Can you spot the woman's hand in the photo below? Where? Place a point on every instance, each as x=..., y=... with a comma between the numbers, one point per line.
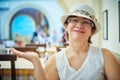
x=31, y=56
x=34, y=58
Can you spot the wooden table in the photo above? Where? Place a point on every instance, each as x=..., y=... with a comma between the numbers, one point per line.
x=12, y=58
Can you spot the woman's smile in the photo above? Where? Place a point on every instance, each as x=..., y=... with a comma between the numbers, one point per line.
x=78, y=31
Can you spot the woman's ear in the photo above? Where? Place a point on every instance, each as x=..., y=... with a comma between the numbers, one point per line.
x=93, y=31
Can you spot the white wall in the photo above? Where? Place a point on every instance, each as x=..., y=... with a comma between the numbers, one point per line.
x=113, y=25
x=96, y=5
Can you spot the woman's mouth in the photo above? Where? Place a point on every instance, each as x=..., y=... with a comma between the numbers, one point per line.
x=78, y=31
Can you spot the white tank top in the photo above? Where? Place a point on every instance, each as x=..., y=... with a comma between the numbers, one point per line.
x=91, y=69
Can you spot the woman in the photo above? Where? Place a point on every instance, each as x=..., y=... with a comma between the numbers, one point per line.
x=80, y=60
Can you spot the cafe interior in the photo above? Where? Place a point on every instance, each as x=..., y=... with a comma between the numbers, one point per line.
x=35, y=25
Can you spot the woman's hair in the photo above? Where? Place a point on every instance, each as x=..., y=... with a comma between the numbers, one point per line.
x=67, y=35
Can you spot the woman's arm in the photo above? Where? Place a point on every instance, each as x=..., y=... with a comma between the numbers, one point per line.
x=38, y=70
x=34, y=58
x=51, y=69
x=112, y=68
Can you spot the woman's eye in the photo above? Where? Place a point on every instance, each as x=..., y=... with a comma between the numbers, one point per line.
x=85, y=22
x=75, y=20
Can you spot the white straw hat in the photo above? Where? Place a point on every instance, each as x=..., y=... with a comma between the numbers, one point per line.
x=82, y=11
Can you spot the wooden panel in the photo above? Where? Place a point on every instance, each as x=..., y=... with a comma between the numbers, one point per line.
x=18, y=71
x=25, y=74
x=37, y=45
x=27, y=48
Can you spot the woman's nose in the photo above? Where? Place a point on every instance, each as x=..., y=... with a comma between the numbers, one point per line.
x=79, y=25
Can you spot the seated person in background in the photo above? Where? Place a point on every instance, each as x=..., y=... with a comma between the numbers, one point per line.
x=19, y=41
x=41, y=36
x=80, y=60
x=62, y=40
x=35, y=38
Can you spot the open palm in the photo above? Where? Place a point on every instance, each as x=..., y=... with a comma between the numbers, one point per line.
x=26, y=55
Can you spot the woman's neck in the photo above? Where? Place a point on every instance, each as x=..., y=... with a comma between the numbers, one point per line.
x=78, y=47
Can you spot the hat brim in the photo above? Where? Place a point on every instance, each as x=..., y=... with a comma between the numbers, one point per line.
x=64, y=18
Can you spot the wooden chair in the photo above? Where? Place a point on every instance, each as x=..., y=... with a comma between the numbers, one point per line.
x=27, y=48
x=58, y=48
x=37, y=45
x=41, y=48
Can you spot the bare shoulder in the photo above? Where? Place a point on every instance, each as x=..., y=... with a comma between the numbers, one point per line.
x=52, y=58
x=108, y=56
x=51, y=62
x=106, y=52
x=111, y=66
x=51, y=68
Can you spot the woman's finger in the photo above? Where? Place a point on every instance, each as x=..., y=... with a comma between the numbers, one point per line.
x=16, y=52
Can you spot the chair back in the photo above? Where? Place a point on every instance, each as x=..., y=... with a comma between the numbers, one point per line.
x=26, y=48
x=40, y=48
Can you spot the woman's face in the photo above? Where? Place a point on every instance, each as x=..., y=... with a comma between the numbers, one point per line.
x=79, y=28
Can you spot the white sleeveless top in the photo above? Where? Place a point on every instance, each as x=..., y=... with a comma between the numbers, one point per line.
x=91, y=69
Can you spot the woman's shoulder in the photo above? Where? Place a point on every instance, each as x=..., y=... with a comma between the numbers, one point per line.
x=111, y=65
x=52, y=58
x=109, y=57
x=106, y=52
x=60, y=53
x=51, y=62
x=51, y=67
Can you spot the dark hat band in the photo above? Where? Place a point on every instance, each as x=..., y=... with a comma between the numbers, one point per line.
x=84, y=13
